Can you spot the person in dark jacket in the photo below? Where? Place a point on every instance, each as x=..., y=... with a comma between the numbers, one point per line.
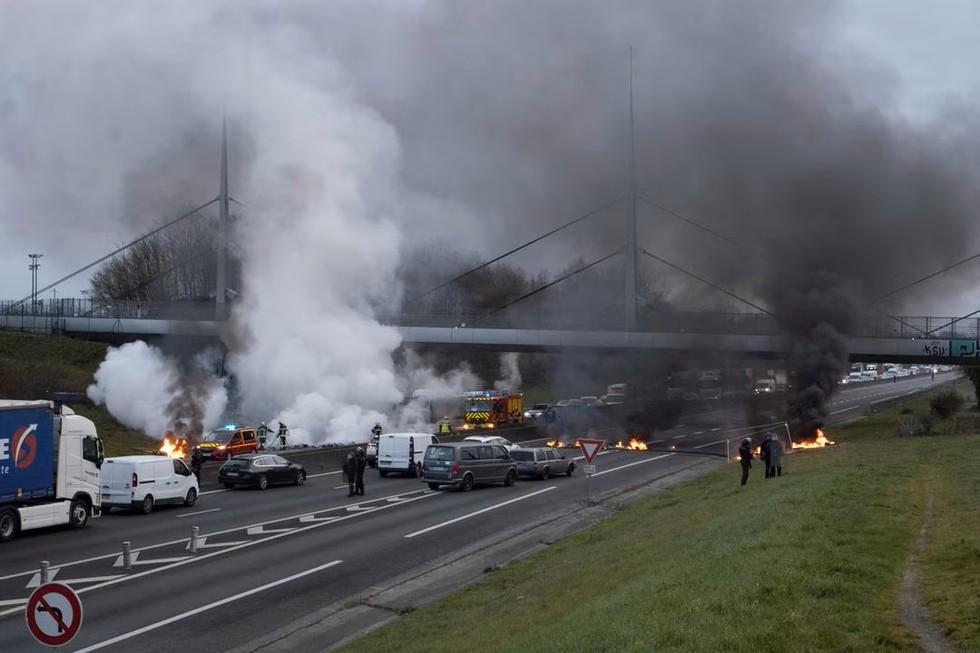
x=197, y=459
x=745, y=457
x=764, y=453
x=350, y=472
x=361, y=458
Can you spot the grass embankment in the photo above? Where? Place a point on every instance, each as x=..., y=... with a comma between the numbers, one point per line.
x=34, y=366
x=812, y=561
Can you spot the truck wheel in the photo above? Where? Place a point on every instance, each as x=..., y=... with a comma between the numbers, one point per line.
x=146, y=507
x=191, y=497
x=78, y=513
x=9, y=524
x=263, y=481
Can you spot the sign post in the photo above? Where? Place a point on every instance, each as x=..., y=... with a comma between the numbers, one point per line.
x=54, y=614
x=590, y=449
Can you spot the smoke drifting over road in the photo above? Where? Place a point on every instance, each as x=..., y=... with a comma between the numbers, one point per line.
x=366, y=128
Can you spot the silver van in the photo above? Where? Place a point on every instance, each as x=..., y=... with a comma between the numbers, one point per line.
x=465, y=464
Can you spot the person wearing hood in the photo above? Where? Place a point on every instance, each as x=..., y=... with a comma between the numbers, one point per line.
x=361, y=459
x=745, y=457
x=350, y=471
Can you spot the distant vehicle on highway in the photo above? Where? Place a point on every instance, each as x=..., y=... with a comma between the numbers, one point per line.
x=590, y=400
x=537, y=411
x=372, y=451
x=465, y=464
x=490, y=439
x=260, y=470
x=613, y=399
x=403, y=452
x=541, y=462
x=229, y=440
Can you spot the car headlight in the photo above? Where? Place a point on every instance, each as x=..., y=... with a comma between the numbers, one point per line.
x=222, y=447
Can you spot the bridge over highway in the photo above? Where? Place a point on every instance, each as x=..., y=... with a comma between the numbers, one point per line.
x=877, y=338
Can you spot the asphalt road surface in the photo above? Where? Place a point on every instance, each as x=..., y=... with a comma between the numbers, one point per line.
x=268, y=560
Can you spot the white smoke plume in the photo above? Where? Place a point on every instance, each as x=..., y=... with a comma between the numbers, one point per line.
x=424, y=387
x=136, y=382
x=510, y=372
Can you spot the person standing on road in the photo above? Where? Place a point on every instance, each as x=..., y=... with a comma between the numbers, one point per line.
x=197, y=459
x=376, y=431
x=283, y=432
x=776, y=451
x=263, y=434
x=445, y=426
x=350, y=472
x=361, y=458
x=745, y=457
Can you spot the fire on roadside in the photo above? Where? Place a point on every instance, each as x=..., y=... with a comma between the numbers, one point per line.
x=818, y=442
x=558, y=444
x=633, y=444
x=175, y=447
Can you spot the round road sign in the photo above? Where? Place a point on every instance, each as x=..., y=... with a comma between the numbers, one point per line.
x=54, y=614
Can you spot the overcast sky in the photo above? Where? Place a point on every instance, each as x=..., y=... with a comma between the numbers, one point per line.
x=921, y=54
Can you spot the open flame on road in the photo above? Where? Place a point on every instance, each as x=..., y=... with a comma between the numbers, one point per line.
x=817, y=443
x=175, y=448
x=558, y=444
x=634, y=444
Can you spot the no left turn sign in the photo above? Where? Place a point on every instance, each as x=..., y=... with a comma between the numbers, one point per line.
x=54, y=614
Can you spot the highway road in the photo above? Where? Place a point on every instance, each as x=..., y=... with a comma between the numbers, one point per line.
x=298, y=568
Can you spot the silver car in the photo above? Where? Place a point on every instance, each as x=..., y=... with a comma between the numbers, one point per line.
x=465, y=464
x=541, y=462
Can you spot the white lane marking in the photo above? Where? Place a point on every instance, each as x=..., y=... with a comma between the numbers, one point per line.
x=361, y=508
x=191, y=559
x=309, y=519
x=205, y=608
x=187, y=539
x=134, y=559
x=698, y=432
x=199, y=512
x=13, y=602
x=262, y=530
x=717, y=428
x=480, y=512
x=844, y=410
x=678, y=437
x=36, y=581
x=639, y=462
x=202, y=543
x=702, y=446
x=341, y=487
x=656, y=441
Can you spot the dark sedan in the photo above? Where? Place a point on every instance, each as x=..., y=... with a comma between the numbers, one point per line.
x=260, y=470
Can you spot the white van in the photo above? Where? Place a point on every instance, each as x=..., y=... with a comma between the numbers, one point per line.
x=403, y=452
x=141, y=482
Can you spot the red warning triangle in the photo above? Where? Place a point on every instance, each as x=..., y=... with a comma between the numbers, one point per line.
x=590, y=448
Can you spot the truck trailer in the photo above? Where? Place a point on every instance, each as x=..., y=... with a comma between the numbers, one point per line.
x=50, y=461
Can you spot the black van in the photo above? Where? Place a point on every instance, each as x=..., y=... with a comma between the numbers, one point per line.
x=464, y=464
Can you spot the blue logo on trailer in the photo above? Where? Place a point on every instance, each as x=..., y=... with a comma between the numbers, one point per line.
x=26, y=453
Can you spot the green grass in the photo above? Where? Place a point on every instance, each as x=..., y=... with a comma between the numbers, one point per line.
x=33, y=366
x=811, y=561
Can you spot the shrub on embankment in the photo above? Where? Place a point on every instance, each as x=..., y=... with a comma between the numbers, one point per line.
x=810, y=561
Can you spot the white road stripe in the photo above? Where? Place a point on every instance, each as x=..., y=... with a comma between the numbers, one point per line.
x=844, y=410
x=205, y=608
x=639, y=462
x=199, y=512
x=480, y=512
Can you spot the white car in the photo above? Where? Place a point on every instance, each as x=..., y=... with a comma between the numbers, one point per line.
x=491, y=439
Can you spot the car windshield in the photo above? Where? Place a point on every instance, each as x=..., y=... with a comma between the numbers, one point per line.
x=238, y=462
x=217, y=436
x=439, y=453
x=522, y=455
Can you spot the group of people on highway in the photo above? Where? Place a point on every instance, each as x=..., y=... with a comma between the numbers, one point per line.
x=771, y=451
x=353, y=467
x=263, y=432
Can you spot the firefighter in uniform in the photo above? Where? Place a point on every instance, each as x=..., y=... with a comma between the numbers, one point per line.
x=263, y=434
x=376, y=431
x=197, y=459
x=283, y=432
x=445, y=428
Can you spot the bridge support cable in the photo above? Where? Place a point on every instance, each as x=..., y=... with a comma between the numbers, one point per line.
x=116, y=251
x=697, y=225
x=458, y=277
x=558, y=280
x=708, y=283
x=930, y=332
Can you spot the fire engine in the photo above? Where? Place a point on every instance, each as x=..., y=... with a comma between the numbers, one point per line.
x=491, y=408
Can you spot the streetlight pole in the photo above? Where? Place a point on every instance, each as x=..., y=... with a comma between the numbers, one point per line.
x=33, y=268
